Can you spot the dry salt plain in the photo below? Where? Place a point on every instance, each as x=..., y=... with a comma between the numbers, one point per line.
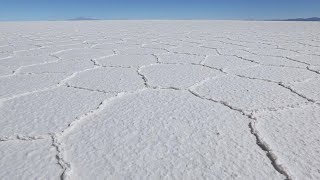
x=159, y=100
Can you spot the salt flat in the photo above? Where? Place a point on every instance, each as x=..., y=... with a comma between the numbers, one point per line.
x=160, y=100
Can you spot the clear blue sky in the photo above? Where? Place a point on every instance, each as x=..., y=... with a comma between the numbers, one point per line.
x=157, y=9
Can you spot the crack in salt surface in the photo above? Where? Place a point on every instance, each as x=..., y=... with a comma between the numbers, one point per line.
x=210, y=67
x=23, y=137
x=143, y=77
x=89, y=89
x=245, y=59
x=157, y=58
x=66, y=167
x=312, y=70
x=216, y=49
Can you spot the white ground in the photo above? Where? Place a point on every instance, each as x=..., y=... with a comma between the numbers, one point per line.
x=159, y=100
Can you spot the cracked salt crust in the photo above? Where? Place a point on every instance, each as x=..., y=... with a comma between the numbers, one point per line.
x=127, y=60
x=4, y=71
x=141, y=51
x=277, y=74
x=28, y=160
x=294, y=137
x=159, y=137
x=109, y=79
x=84, y=54
x=159, y=100
x=273, y=61
x=174, y=58
x=247, y=94
x=194, y=50
x=227, y=63
x=177, y=76
x=19, y=84
x=310, y=88
x=312, y=60
x=59, y=67
x=14, y=64
x=46, y=112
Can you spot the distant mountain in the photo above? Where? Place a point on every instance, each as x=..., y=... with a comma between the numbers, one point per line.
x=305, y=19
x=82, y=19
x=299, y=19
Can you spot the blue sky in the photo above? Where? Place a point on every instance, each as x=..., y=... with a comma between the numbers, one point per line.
x=157, y=9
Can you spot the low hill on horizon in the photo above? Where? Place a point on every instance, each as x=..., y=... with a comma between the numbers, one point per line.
x=299, y=19
x=82, y=19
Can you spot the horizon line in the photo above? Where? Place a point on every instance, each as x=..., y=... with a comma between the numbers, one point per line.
x=83, y=18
